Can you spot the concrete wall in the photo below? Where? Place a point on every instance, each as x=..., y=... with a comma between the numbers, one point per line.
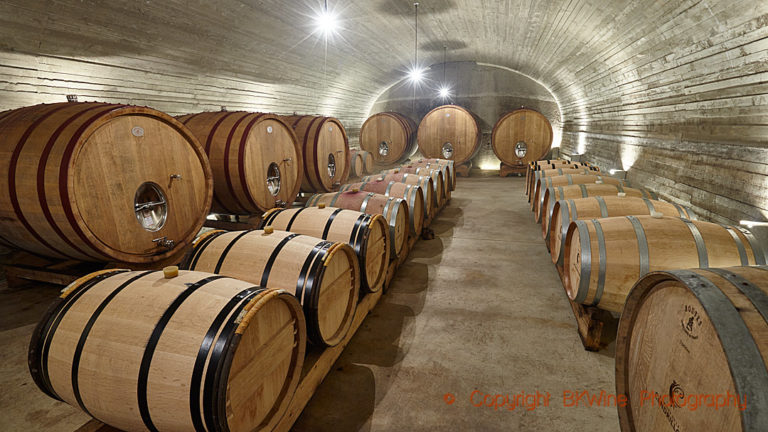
x=486, y=90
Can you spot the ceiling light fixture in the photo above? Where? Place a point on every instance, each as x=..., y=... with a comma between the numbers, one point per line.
x=326, y=22
x=445, y=90
x=416, y=74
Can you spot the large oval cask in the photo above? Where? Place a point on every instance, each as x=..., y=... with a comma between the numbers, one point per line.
x=323, y=275
x=411, y=194
x=556, y=193
x=325, y=148
x=691, y=351
x=449, y=132
x=100, y=182
x=142, y=351
x=603, y=258
x=367, y=234
x=425, y=184
x=566, y=211
x=390, y=137
x=521, y=136
x=255, y=159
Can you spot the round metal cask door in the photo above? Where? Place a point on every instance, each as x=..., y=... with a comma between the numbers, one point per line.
x=385, y=137
x=137, y=179
x=271, y=166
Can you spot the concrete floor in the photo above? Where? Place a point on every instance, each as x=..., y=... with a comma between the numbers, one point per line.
x=480, y=307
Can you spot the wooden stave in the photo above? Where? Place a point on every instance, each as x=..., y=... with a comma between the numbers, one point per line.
x=552, y=194
x=441, y=162
x=306, y=128
x=425, y=183
x=311, y=271
x=236, y=198
x=438, y=183
x=753, y=253
x=408, y=129
x=568, y=179
x=734, y=301
x=411, y=194
x=393, y=209
x=74, y=239
x=526, y=159
x=357, y=237
x=642, y=206
x=420, y=138
x=239, y=297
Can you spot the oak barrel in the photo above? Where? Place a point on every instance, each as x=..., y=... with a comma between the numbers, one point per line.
x=411, y=194
x=549, y=165
x=323, y=275
x=449, y=164
x=603, y=258
x=556, y=193
x=536, y=175
x=521, y=136
x=361, y=163
x=691, y=351
x=570, y=179
x=255, y=159
x=195, y=351
x=438, y=181
x=325, y=147
x=449, y=132
x=432, y=169
x=425, y=183
x=566, y=211
x=367, y=234
x=390, y=137
x=100, y=182
x=394, y=210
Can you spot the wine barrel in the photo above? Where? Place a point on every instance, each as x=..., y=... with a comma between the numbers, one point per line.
x=425, y=183
x=100, y=182
x=556, y=193
x=549, y=165
x=438, y=181
x=394, y=210
x=367, y=234
x=449, y=132
x=570, y=179
x=686, y=341
x=566, y=211
x=445, y=174
x=361, y=163
x=140, y=351
x=255, y=159
x=441, y=162
x=411, y=194
x=325, y=148
x=390, y=137
x=603, y=258
x=537, y=175
x=521, y=136
x=323, y=275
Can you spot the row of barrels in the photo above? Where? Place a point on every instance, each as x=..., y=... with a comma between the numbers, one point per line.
x=693, y=297
x=453, y=132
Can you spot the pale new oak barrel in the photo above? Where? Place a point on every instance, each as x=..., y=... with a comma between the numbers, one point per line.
x=390, y=137
x=449, y=132
x=394, y=210
x=255, y=159
x=424, y=182
x=325, y=147
x=556, y=193
x=550, y=165
x=521, y=136
x=566, y=211
x=569, y=179
x=551, y=172
x=438, y=181
x=361, y=163
x=323, y=275
x=440, y=162
x=100, y=182
x=139, y=351
x=603, y=258
x=687, y=333
x=412, y=194
x=444, y=170
x=367, y=234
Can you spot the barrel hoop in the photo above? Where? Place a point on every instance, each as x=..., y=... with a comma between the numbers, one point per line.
x=603, y=206
x=271, y=217
x=305, y=269
x=226, y=250
x=315, y=141
x=642, y=245
x=12, y=192
x=560, y=171
x=196, y=387
x=756, y=296
x=311, y=298
x=293, y=218
x=346, y=187
x=227, y=176
x=565, y=221
x=586, y=261
x=570, y=179
x=241, y=159
x=680, y=211
x=739, y=245
x=41, y=193
x=329, y=223
x=272, y=258
x=584, y=192
x=701, y=247
x=40, y=344
x=744, y=359
x=333, y=201
x=364, y=205
x=198, y=252
x=649, y=204
x=653, y=195
x=389, y=187
x=358, y=237
x=87, y=330
x=602, y=264
x=209, y=143
x=757, y=250
x=620, y=187
x=149, y=350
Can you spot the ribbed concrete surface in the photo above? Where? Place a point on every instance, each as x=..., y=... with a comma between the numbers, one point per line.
x=480, y=307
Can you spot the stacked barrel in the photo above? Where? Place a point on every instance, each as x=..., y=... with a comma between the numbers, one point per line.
x=692, y=295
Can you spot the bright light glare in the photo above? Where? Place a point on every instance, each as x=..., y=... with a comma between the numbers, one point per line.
x=752, y=224
x=416, y=75
x=613, y=171
x=327, y=23
x=445, y=92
